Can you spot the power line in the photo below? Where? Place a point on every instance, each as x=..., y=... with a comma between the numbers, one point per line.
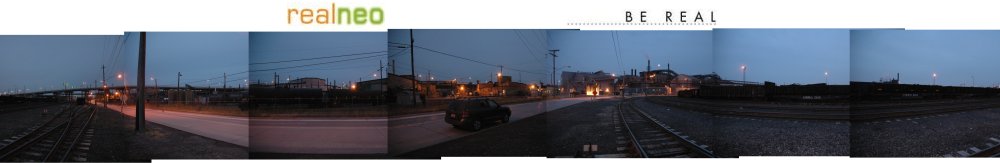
x=272, y=69
x=400, y=52
x=525, y=43
x=476, y=61
x=119, y=47
x=325, y=57
x=217, y=77
x=618, y=48
x=456, y=56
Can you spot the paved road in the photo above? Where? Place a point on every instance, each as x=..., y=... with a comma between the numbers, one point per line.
x=224, y=128
x=319, y=136
x=286, y=135
x=409, y=133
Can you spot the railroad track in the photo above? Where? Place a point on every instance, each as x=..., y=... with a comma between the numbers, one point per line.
x=818, y=112
x=65, y=137
x=14, y=108
x=651, y=139
x=991, y=149
x=876, y=112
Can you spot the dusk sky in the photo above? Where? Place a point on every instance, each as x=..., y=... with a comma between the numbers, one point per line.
x=687, y=52
x=337, y=56
x=200, y=57
x=956, y=56
x=523, y=53
x=784, y=56
x=47, y=62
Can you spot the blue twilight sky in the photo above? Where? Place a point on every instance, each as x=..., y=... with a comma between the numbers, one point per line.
x=687, y=52
x=47, y=62
x=956, y=56
x=337, y=56
x=523, y=53
x=200, y=57
x=784, y=56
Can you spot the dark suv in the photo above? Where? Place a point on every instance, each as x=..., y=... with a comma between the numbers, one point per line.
x=473, y=113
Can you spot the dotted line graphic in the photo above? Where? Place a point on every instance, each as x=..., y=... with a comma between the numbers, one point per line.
x=642, y=24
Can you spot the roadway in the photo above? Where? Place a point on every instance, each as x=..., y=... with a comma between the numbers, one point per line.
x=332, y=135
x=319, y=135
x=285, y=135
x=223, y=128
x=408, y=133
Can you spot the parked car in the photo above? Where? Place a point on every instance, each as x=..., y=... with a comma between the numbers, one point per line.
x=472, y=114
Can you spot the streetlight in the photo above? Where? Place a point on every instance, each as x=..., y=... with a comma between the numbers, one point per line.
x=743, y=70
x=121, y=76
x=826, y=77
x=934, y=78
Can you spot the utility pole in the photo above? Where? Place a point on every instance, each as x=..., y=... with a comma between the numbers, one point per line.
x=140, y=103
x=224, y=79
x=275, y=80
x=413, y=69
x=104, y=84
x=500, y=82
x=178, y=80
x=553, y=53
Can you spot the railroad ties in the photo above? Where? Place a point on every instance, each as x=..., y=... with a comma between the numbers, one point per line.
x=65, y=137
x=649, y=138
x=991, y=149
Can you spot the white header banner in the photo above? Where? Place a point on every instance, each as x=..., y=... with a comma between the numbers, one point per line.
x=116, y=16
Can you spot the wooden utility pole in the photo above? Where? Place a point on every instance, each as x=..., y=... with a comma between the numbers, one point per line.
x=104, y=84
x=553, y=53
x=140, y=103
x=413, y=70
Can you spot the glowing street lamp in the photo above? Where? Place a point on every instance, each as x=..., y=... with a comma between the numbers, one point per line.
x=826, y=76
x=125, y=85
x=934, y=78
x=743, y=70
